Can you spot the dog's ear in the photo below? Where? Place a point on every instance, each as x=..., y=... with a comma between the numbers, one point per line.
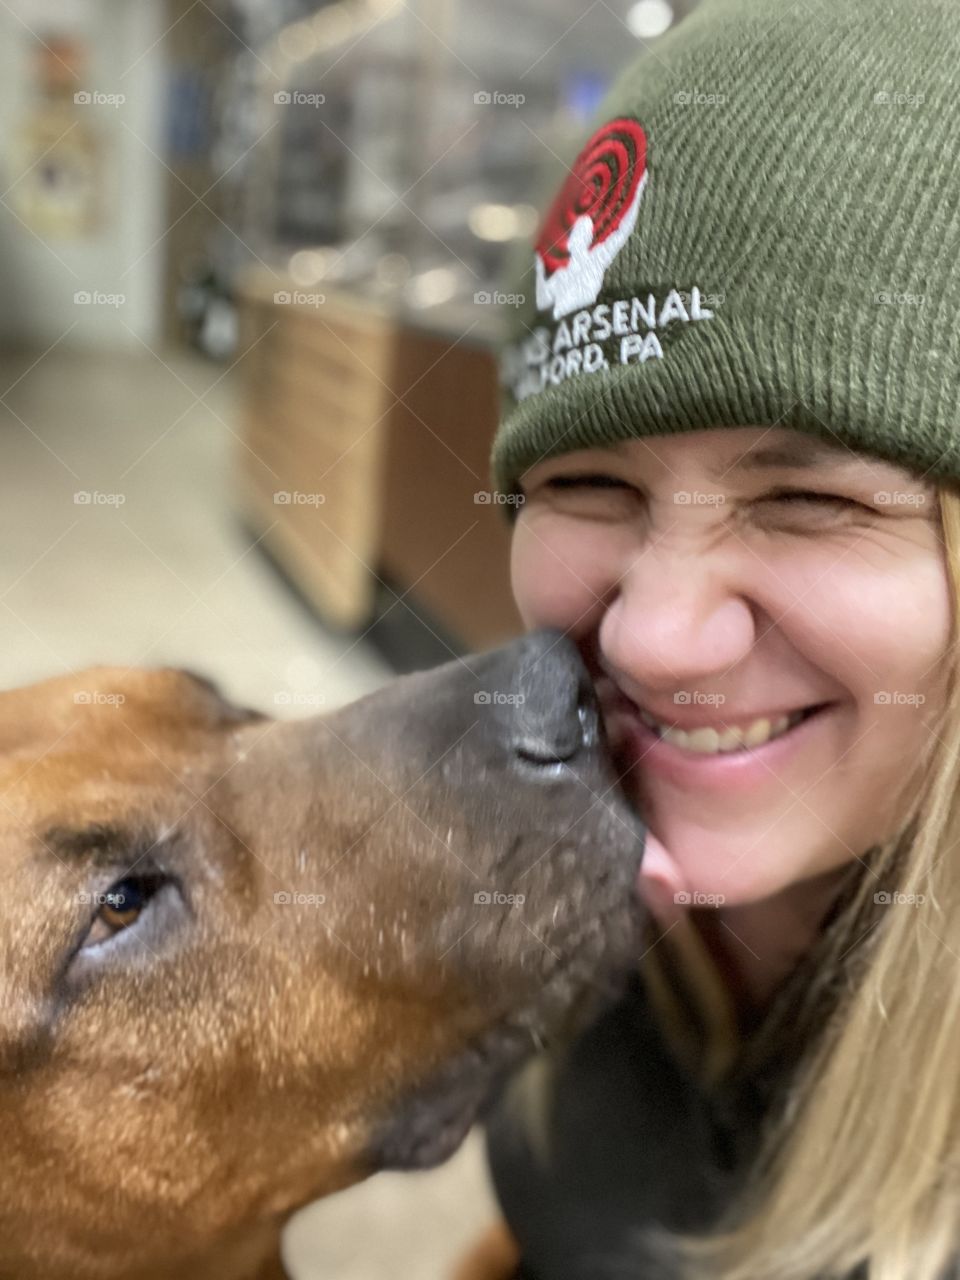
x=46, y=712
x=204, y=681
x=228, y=710
x=25, y=716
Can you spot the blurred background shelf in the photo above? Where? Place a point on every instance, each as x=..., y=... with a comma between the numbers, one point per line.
x=366, y=463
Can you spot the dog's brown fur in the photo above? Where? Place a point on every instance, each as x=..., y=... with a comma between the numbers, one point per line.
x=495, y=1256
x=170, y=1094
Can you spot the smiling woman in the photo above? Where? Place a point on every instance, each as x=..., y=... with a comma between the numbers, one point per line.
x=754, y=538
x=775, y=665
x=738, y=647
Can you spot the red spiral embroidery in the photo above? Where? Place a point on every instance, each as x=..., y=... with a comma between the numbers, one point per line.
x=602, y=183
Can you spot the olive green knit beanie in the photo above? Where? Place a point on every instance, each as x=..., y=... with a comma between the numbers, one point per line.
x=762, y=228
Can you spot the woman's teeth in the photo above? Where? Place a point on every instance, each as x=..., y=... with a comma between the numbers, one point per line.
x=709, y=741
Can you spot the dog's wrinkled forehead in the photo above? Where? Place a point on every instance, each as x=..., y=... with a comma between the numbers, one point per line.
x=108, y=745
x=102, y=702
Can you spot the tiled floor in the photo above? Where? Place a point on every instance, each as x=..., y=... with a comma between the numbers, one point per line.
x=168, y=577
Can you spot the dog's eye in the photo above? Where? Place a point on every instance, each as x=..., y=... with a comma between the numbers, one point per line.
x=122, y=906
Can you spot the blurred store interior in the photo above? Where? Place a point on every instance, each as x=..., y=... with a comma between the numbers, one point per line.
x=254, y=262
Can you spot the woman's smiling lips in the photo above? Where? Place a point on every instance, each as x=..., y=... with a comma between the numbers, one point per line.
x=635, y=745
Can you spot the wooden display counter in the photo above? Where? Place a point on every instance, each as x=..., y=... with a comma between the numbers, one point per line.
x=367, y=441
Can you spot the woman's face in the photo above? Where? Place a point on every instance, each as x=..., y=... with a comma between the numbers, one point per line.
x=712, y=593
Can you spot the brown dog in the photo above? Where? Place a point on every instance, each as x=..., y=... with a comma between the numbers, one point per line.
x=246, y=962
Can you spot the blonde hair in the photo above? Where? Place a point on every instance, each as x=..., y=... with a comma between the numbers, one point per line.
x=860, y=1160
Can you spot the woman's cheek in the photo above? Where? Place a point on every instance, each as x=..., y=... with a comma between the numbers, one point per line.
x=561, y=572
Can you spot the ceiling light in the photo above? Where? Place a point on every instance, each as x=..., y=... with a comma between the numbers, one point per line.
x=649, y=18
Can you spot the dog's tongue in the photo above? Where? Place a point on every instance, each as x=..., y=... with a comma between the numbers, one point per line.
x=659, y=880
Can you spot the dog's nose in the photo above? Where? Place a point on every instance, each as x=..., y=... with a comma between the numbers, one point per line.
x=557, y=715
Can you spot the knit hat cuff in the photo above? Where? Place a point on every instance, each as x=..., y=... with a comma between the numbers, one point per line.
x=731, y=378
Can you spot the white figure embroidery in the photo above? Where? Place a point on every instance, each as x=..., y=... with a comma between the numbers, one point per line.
x=575, y=286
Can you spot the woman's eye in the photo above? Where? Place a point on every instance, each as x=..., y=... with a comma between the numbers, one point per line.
x=591, y=495
x=800, y=496
x=122, y=906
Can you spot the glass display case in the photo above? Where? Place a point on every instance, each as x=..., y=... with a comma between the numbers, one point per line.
x=400, y=149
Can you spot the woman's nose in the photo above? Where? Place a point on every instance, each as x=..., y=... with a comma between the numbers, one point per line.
x=674, y=623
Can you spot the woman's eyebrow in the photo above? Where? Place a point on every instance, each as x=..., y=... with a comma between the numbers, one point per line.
x=800, y=455
x=795, y=454
x=805, y=452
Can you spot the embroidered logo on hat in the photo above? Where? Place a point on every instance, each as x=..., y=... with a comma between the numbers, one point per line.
x=586, y=226
x=591, y=217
